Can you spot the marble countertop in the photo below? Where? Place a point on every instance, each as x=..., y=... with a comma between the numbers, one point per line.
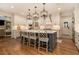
x=39, y=31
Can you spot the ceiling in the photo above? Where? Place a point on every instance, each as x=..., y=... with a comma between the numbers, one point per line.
x=22, y=8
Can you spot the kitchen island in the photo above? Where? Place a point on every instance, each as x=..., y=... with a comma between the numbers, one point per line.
x=52, y=36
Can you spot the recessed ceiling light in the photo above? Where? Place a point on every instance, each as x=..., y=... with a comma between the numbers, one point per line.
x=59, y=8
x=12, y=6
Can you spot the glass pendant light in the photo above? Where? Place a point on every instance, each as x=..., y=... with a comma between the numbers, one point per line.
x=44, y=13
x=29, y=15
x=35, y=14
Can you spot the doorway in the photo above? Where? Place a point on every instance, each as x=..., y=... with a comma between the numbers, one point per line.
x=67, y=27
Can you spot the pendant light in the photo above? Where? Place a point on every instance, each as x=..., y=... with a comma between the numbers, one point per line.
x=44, y=13
x=35, y=14
x=29, y=15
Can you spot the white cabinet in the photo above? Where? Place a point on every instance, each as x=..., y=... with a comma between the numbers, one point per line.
x=16, y=34
x=76, y=16
x=77, y=39
x=8, y=28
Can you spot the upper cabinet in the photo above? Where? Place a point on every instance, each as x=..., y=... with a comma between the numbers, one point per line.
x=5, y=25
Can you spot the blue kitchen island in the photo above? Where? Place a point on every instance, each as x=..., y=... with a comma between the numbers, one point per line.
x=52, y=36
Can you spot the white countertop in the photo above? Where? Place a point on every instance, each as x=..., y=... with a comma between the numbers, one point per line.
x=39, y=31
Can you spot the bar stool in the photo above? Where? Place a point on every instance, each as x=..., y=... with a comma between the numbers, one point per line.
x=33, y=38
x=26, y=38
x=22, y=37
x=43, y=42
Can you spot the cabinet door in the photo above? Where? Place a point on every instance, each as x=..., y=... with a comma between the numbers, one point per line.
x=2, y=32
x=76, y=34
x=77, y=39
x=77, y=44
x=16, y=34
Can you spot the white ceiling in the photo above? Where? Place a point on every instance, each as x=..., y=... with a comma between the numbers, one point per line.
x=22, y=8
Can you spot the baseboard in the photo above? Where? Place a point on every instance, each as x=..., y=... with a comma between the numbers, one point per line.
x=76, y=47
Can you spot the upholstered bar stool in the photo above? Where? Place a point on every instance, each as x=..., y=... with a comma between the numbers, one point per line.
x=33, y=38
x=43, y=42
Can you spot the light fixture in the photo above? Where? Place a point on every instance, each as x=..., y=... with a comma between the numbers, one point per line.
x=12, y=6
x=44, y=13
x=59, y=8
x=35, y=14
x=29, y=15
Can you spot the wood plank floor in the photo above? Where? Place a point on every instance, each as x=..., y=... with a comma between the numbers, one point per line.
x=14, y=47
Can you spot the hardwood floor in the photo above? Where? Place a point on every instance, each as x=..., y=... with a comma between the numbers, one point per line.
x=14, y=47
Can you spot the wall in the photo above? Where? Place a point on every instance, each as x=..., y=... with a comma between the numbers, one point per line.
x=3, y=13
x=17, y=19
x=56, y=21
x=76, y=15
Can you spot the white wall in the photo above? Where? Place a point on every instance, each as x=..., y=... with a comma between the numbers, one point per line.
x=76, y=15
x=19, y=20
x=56, y=19
x=2, y=13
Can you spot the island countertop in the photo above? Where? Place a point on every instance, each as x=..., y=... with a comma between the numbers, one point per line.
x=39, y=31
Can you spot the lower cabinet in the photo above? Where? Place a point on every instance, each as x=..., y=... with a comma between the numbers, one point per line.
x=77, y=39
x=52, y=41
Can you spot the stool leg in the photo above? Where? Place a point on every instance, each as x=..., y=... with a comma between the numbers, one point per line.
x=35, y=44
x=38, y=46
x=23, y=41
x=29, y=42
x=46, y=47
